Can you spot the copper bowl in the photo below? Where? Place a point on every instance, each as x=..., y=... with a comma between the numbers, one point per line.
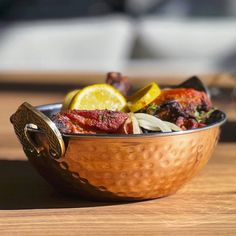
x=112, y=167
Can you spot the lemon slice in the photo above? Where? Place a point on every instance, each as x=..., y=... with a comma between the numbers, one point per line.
x=143, y=97
x=68, y=99
x=98, y=96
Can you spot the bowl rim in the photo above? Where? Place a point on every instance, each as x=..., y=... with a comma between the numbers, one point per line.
x=53, y=106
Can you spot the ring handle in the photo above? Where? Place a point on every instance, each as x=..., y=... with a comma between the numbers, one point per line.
x=25, y=115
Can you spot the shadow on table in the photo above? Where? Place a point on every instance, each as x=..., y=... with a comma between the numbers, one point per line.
x=22, y=188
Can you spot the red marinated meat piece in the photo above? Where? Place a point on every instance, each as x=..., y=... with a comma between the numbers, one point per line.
x=179, y=106
x=90, y=121
x=189, y=99
x=120, y=82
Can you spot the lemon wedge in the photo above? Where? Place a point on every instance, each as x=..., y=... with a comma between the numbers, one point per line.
x=143, y=97
x=68, y=99
x=98, y=96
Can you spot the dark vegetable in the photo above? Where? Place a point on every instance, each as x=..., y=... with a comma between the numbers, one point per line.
x=214, y=117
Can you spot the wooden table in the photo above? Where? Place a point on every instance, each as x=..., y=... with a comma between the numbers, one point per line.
x=29, y=206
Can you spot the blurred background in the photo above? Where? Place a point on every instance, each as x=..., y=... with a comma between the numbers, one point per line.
x=57, y=45
x=133, y=36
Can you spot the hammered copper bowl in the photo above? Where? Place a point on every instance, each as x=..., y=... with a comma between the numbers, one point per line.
x=112, y=167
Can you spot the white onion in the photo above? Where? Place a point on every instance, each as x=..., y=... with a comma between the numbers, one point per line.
x=146, y=125
x=172, y=126
x=128, y=120
x=153, y=121
x=136, y=128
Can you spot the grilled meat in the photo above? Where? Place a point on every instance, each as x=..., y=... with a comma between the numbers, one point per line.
x=90, y=122
x=180, y=106
x=118, y=81
x=189, y=99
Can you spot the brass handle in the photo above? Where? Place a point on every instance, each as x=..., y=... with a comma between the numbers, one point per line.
x=27, y=114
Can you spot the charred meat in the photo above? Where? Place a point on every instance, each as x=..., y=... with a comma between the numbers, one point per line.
x=118, y=81
x=90, y=122
x=180, y=106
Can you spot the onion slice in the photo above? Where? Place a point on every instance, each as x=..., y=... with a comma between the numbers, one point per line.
x=153, y=123
x=128, y=120
x=135, y=123
x=173, y=126
x=146, y=125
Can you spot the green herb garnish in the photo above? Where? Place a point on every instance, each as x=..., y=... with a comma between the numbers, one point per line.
x=203, y=116
x=152, y=108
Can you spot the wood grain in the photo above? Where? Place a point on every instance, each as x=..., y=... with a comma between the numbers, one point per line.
x=29, y=206
x=207, y=205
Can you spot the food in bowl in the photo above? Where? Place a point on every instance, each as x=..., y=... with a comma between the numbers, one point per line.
x=107, y=108
x=129, y=148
